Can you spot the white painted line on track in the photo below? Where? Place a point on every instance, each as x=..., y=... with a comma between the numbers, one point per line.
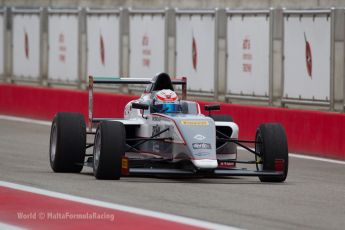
x=114, y=206
x=316, y=158
x=4, y=226
x=294, y=155
x=25, y=120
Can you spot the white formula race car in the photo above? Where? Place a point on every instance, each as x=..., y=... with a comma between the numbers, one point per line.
x=162, y=134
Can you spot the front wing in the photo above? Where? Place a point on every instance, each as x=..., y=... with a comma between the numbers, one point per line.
x=182, y=172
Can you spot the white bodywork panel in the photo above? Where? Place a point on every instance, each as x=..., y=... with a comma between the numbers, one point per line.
x=232, y=125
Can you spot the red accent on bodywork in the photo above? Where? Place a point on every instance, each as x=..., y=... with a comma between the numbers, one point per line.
x=226, y=165
x=166, y=98
x=178, y=129
x=198, y=108
x=279, y=164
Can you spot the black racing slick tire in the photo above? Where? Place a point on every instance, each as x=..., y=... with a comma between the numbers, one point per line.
x=109, y=148
x=271, y=144
x=221, y=117
x=67, y=142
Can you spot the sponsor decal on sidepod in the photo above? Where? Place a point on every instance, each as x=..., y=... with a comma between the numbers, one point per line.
x=190, y=122
x=201, y=146
x=199, y=137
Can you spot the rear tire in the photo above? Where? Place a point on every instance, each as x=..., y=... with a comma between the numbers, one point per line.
x=67, y=142
x=273, y=147
x=108, y=150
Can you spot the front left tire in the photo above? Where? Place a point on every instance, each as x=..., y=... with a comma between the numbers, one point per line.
x=271, y=144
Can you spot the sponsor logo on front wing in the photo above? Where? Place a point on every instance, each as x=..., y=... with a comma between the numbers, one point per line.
x=201, y=146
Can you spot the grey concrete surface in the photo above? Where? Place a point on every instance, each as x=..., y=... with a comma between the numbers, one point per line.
x=313, y=196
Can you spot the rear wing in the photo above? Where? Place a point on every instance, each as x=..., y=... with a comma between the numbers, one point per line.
x=126, y=81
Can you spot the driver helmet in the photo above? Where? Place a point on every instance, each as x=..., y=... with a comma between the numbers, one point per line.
x=166, y=101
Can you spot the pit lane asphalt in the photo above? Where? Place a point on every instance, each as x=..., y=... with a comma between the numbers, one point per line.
x=313, y=197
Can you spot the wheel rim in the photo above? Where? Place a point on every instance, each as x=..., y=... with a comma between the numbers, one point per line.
x=258, y=149
x=97, y=150
x=53, y=140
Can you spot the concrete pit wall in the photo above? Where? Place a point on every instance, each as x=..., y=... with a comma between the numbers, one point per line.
x=188, y=4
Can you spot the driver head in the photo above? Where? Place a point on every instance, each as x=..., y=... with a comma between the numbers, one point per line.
x=166, y=101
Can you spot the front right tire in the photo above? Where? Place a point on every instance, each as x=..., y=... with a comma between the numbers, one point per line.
x=109, y=148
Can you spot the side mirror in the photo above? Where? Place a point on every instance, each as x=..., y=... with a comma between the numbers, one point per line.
x=140, y=106
x=212, y=107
